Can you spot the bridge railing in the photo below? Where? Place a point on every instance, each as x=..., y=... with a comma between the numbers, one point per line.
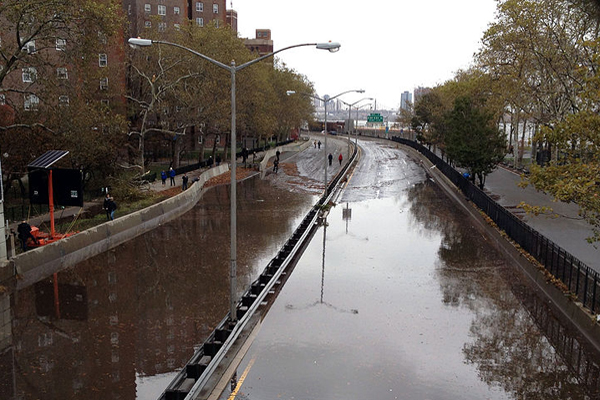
x=579, y=278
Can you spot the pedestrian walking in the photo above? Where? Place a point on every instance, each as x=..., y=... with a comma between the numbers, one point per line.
x=319, y=144
x=112, y=207
x=184, y=182
x=277, y=154
x=172, y=176
x=24, y=230
x=315, y=143
x=105, y=206
x=276, y=165
x=340, y=158
x=163, y=177
x=330, y=157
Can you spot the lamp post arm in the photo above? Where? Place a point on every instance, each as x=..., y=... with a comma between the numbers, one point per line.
x=347, y=91
x=207, y=58
x=242, y=66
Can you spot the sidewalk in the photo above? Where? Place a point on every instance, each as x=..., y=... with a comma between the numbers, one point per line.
x=565, y=227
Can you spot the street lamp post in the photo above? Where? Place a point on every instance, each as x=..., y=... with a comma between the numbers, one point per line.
x=325, y=101
x=330, y=46
x=349, y=116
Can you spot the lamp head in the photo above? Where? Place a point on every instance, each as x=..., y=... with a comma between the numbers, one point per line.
x=331, y=46
x=138, y=42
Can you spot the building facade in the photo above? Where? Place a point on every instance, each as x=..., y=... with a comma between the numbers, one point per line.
x=262, y=44
x=405, y=100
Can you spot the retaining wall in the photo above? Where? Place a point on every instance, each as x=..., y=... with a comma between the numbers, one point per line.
x=296, y=146
x=42, y=262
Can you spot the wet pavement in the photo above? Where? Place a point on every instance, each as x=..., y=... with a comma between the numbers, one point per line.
x=400, y=297
x=131, y=317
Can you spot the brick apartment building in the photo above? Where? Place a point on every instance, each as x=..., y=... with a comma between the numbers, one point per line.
x=173, y=13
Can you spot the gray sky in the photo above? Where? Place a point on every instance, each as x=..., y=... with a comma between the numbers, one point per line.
x=388, y=46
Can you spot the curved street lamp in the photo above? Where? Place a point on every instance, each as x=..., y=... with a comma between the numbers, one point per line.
x=349, y=110
x=233, y=68
x=325, y=101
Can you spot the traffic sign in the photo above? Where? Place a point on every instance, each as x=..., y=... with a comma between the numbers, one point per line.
x=375, y=117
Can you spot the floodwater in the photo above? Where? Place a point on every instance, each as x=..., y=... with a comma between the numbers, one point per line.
x=401, y=297
x=131, y=317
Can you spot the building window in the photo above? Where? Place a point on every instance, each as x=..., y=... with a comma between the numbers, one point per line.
x=2, y=99
x=102, y=60
x=162, y=10
x=176, y=26
x=104, y=84
x=30, y=47
x=61, y=44
x=63, y=101
x=176, y=10
x=162, y=26
x=199, y=6
x=215, y=8
x=29, y=74
x=31, y=102
x=105, y=103
x=61, y=73
x=102, y=38
x=147, y=8
x=148, y=24
x=200, y=21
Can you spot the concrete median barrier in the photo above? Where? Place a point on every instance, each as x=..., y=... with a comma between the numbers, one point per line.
x=38, y=264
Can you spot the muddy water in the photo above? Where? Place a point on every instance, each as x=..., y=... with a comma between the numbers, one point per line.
x=407, y=300
x=131, y=316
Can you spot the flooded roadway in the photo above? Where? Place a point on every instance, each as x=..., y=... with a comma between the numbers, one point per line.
x=403, y=300
x=400, y=297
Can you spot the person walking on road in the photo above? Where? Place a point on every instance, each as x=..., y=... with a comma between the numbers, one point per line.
x=163, y=177
x=330, y=157
x=172, y=176
x=340, y=158
x=276, y=165
x=319, y=144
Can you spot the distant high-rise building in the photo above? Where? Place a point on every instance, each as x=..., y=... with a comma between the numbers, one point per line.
x=420, y=92
x=405, y=100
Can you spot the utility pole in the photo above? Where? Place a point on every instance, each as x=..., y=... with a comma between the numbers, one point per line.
x=3, y=254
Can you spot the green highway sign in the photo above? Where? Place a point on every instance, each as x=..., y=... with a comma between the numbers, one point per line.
x=375, y=117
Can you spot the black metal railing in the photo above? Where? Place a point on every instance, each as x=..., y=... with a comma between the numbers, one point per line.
x=579, y=278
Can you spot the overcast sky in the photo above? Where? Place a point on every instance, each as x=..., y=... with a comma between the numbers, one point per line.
x=388, y=46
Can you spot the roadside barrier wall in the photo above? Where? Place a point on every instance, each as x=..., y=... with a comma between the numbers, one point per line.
x=296, y=146
x=42, y=262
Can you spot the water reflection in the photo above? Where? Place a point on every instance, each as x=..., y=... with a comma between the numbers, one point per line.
x=138, y=310
x=518, y=342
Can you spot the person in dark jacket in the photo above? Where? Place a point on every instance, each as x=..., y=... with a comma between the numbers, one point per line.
x=172, y=176
x=24, y=230
x=112, y=207
x=184, y=182
x=330, y=158
x=105, y=206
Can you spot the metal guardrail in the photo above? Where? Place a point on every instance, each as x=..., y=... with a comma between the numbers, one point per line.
x=580, y=279
x=194, y=377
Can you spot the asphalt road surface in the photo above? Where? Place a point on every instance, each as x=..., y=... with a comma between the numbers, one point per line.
x=399, y=296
